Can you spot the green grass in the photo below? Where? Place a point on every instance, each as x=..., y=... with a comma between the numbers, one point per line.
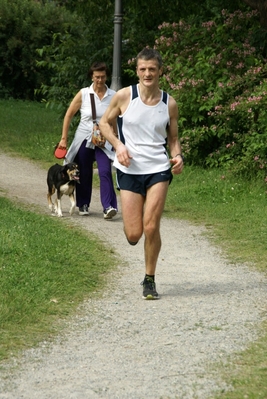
x=247, y=372
x=43, y=278
x=38, y=289
x=30, y=130
x=233, y=210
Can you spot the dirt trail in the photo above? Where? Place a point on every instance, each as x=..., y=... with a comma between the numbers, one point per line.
x=121, y=346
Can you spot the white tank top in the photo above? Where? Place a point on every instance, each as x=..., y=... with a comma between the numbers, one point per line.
x=142, y=128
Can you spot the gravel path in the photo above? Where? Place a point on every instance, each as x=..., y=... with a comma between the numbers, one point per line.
x=120, y=346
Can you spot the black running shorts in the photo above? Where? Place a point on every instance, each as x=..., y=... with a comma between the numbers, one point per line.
x=140, y=183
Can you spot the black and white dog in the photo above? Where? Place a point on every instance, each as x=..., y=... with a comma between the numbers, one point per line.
x=62, y=180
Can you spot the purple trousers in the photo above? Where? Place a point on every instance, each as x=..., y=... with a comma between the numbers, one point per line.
x=85, y=159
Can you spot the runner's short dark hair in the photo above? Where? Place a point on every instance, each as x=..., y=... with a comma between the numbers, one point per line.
x=149, y=54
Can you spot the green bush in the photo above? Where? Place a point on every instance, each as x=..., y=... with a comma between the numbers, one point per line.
x=217, y=73
x=71, y=53
x=26, y=25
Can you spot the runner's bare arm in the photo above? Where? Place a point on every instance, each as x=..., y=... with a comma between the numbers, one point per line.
x=107, y=124
x=173, y=139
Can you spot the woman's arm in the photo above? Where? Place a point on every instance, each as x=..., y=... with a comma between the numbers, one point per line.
x=75, y=105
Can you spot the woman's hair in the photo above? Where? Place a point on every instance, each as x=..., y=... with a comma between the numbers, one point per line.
x=98, y=66
x=149, y=54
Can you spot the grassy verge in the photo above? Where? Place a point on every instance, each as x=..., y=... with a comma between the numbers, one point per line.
x=30, y=130
x=43, y=278
x=233, y=210
x=39, y=288
x=247, y=373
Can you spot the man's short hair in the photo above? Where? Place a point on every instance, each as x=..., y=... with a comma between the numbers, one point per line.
x=149, y=54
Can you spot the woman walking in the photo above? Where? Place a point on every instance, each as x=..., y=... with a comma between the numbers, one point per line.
x=83, y=152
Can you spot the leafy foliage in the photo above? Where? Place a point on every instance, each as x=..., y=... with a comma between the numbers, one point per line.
x=26, y=25
x=215, y=65
x=70, y=35
x=71, y=53
x=69, y=56
x=217, y=74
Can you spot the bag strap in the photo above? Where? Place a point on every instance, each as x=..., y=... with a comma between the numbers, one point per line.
x=92, y=97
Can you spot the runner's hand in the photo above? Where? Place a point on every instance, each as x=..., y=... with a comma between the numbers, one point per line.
x=123, y=155
x=178, y=165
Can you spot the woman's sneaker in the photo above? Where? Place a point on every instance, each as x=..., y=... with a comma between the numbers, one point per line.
x=110, y=212
x=149, y=289
x=84, y=210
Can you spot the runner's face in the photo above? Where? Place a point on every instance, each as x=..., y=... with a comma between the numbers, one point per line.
x=148, y=72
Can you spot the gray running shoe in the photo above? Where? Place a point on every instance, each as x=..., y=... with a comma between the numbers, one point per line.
x=84, y=210
x=149, y=289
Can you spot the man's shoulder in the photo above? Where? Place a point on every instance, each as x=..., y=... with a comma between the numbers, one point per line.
x=111, y=92
x=173, y=107
x=172, y=101
x=124, y=93
x=125, y=90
